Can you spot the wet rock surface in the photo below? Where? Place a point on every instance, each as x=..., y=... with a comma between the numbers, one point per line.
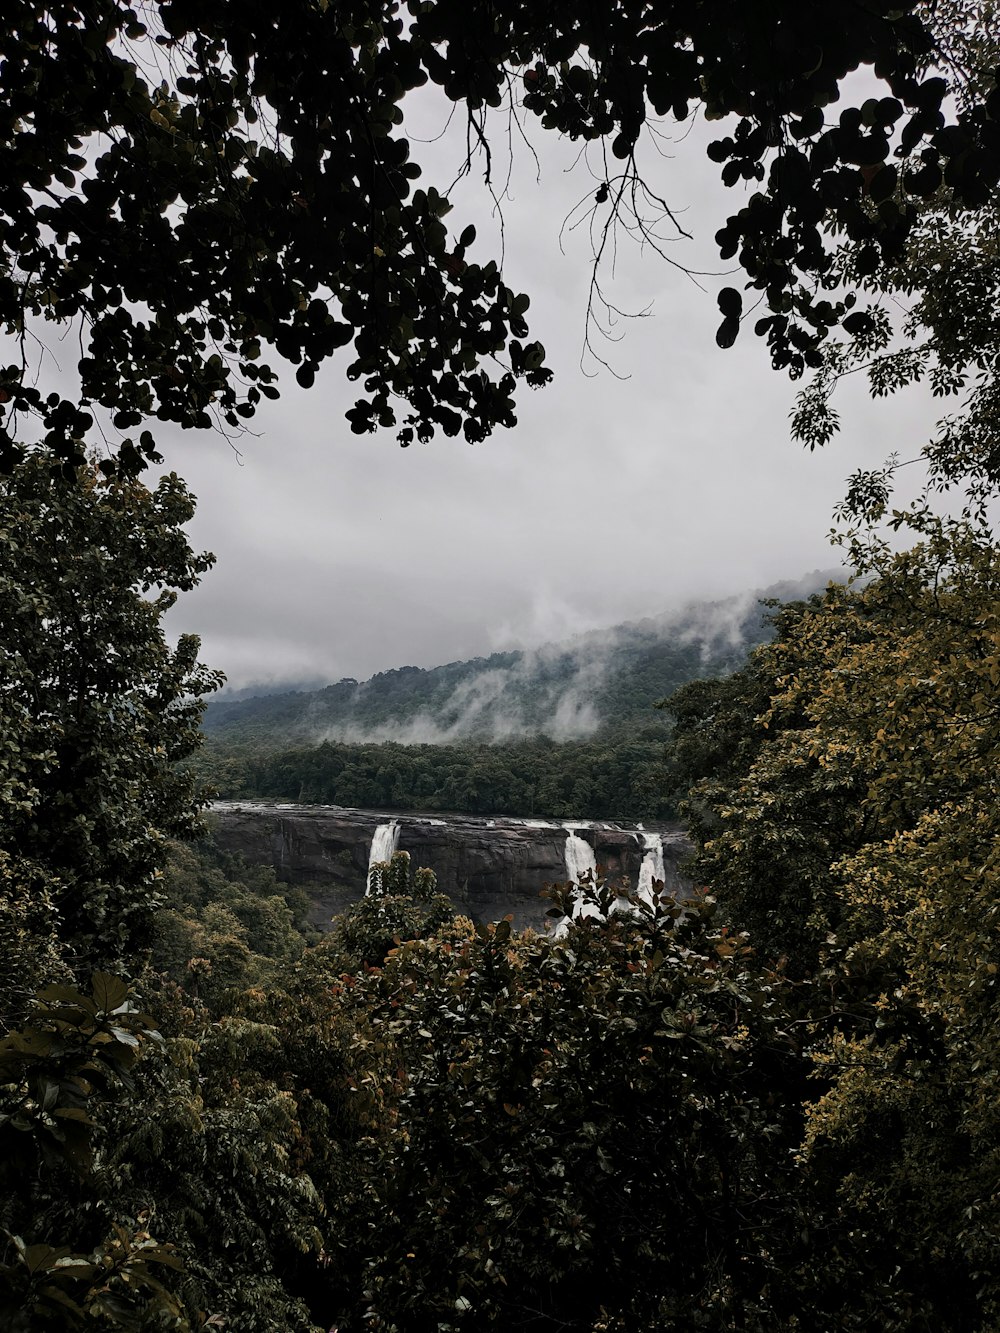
x=489, y=868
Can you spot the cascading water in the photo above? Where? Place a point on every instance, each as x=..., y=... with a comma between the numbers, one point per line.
x=652, y=865
x=384, y=841
x=580, y=859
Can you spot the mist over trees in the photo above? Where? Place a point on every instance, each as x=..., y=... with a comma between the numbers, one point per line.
x=565, y=731
x=773, y=1108
x=603, y=680
x=480, y=736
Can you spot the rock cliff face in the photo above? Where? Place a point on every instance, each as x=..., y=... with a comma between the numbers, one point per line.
x=489, y=868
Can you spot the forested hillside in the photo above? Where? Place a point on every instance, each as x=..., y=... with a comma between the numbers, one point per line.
x=604, y=680
x=568, y=731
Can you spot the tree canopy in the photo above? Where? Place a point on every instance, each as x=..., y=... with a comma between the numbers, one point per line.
x=855, y=835
x=97, y=708
x=930, y=312
x=197, y=185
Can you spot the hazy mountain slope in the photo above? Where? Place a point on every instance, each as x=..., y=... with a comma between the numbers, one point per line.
x=606, y=679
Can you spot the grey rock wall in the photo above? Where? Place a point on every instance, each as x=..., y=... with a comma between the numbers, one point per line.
x=488, y=868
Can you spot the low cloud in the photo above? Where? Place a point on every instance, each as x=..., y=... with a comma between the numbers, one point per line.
x=498, y=703
x=554, y=690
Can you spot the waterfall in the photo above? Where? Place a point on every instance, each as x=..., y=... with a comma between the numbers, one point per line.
x=652, y=865
x=579, y=857
x=384, y=842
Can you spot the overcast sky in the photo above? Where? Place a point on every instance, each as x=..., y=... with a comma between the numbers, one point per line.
x=613, y=499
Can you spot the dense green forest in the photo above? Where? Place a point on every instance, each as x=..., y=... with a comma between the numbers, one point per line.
x=615, y=777
x=767, y=1110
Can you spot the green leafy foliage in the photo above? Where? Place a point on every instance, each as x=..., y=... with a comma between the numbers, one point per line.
x=29, y=936
x=907, y=1127
x=400, y=904
x=73, y=1056
x=246, y=177
x=768, y=818
x=198, y=1134
x=928, y=314
x=212, y=1143
x=576, y=1127
x=97, y=708
x=74, y=1044
x=52, y=1288
x=857, y=831
x=254, y=193
x=224, y=926
x=421, y=1124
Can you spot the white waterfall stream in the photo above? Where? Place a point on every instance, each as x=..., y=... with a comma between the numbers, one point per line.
x=652, y=865
x=580, y=858
x=384, y=841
